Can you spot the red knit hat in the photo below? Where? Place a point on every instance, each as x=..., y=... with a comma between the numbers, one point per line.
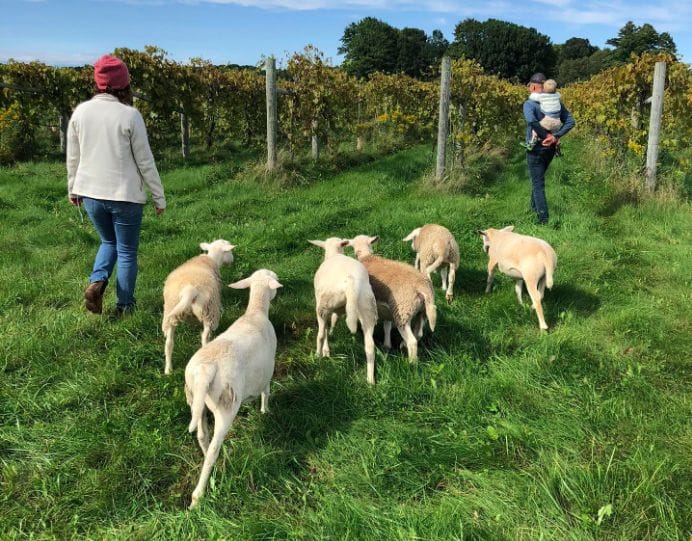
x=111, y=73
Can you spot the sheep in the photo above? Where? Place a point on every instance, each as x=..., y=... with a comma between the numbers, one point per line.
x=401, y=293
x=194, y=288
x=231, y=369
x=436, y=247
x=526, y=259
x=342, y=285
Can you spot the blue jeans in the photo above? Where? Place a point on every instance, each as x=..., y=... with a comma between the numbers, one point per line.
x=538, y=160
x=118, y=224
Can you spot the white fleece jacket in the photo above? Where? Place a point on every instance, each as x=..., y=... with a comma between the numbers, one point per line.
x=108, y=153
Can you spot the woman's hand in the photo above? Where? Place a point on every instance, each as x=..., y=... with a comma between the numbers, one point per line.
x=76, y=201
x=159, y=211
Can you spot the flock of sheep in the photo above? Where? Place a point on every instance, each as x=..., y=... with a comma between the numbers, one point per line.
x=238, y=364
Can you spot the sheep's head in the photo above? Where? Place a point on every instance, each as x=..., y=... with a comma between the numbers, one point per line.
x=488, y=235
x=362, y=245
x=413, y=237
x=221, y=250
x=331, y=246
x=263, y=277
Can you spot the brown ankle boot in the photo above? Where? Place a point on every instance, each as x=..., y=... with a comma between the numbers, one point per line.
x=93, y=296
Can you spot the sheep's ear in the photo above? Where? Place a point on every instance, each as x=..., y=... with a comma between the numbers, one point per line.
x=345, y=243
x=229, y=248
x=319, y=243
x=374, y=239
x=241, y=284
x=482, y=232
x=274, y=284
x=204, y=246
x=412, y=235
x=508, y=228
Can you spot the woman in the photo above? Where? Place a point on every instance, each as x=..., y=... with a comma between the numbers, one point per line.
x=108, y=163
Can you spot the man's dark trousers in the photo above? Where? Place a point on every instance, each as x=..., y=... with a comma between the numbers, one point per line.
x=539, y=159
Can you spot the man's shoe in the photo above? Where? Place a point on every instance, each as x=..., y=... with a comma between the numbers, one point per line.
x=93, y=296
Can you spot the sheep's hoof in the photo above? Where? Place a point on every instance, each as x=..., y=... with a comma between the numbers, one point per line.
x=194, y=503
x=449, y=298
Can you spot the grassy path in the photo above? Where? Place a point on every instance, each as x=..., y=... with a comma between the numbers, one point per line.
x=499, y=432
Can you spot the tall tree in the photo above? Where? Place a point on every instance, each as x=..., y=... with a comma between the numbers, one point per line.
x=369, y=45
x=436, y=47
x=412, y=47
x=633, y=39
x=503, y=48
x=575, y=48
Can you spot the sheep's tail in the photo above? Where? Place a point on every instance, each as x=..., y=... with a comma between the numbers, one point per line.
x=430, y=308
x=351, y=305
x=199, y=393
x=549, y=264
x=187, y=297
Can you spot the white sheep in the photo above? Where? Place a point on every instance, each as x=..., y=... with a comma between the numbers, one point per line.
x=342, y=286
x=436, y=247
x=526, y=259
x=234, y=367
x=401, y=293
x=194, y=289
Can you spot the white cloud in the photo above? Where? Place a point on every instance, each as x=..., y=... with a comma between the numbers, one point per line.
x=50, y=57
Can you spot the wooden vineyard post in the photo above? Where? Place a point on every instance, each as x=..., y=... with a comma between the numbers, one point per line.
x=655, y=125
x=315, y=141
x=359, y=140
x=64, y=120
x=270, y=68
x=185, y=135
x=443, y=121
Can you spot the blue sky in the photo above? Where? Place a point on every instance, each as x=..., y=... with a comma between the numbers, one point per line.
x=75, y=32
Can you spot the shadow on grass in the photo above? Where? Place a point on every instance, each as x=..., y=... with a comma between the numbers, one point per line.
x=319, y=406
x=615, y=201
x=569, y=297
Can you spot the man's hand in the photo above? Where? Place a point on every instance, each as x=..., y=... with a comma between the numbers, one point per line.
x=549, y=140
x=159, y=211
x=76, y=201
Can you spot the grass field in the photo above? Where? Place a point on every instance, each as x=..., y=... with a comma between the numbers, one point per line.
x=499, y=432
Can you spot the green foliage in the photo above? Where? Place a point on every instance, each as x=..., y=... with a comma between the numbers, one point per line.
x=369, y=45
x=498, y=432
x=505, y=49
x=575, y=48
x=581, y=69
x=635, y=40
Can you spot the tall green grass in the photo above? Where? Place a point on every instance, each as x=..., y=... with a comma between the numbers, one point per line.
x=498, y=432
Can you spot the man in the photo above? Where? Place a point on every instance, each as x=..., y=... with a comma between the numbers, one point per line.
x=541, y=153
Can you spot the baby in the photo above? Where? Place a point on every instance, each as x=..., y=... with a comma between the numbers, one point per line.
x=550, y=105
x=549, y=100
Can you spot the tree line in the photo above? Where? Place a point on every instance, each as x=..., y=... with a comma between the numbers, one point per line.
x=505, y=49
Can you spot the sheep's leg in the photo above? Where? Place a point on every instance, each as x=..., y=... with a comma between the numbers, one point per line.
x=541, y=287
x=518, y=287
x=222, y=422
x=433, y=267
x=536, y=299
x=450, y=283
x=369, y=343
x=420, y=325
x=206, y=332
x=264, y=408
x=203, y=433
x=170, y=336
x=411, y=342
x=322, y=343
x=335, y=318
x=491, y=271
x=443, y=275
x=387, y=325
